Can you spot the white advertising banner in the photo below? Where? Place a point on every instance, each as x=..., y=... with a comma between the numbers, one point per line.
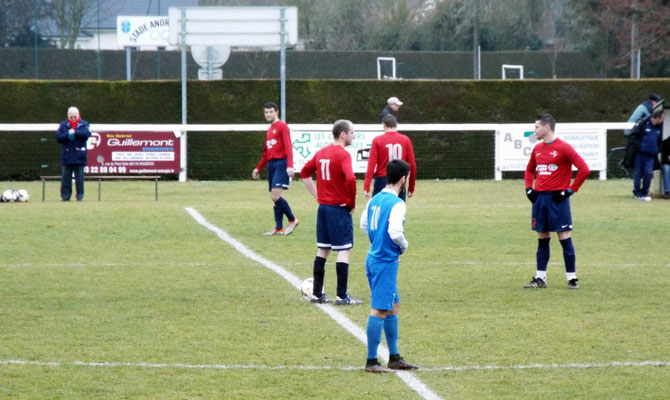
x=514, y=143
x=307, y=143
x=136, y=31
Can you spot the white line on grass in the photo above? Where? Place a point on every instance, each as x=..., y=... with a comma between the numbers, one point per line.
x=340, y=368
x=409, y=378
x=202, y=264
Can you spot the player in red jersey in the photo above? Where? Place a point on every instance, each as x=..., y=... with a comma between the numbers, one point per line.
x=278, y=155
x=336, y=196
x=392, y=145
x=550, y=166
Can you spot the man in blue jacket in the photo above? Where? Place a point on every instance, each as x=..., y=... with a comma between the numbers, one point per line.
x=73, y=133
x=649, y=139
x=644, y=110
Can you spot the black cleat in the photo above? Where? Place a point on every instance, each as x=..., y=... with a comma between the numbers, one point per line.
x=399, y=363
x=347, y=301
x=572, y=284
x=536, y=283
x=375, y=367
x=321, y=300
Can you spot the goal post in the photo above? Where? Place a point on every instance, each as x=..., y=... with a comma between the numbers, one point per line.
x=511, y=67
x=380, y=62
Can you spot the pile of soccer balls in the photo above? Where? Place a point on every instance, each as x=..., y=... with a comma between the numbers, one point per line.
x=10, y=195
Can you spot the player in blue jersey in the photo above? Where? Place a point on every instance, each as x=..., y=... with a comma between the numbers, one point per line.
x=383, y=220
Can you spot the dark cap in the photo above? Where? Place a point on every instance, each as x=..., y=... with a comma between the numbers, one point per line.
x=655, y=97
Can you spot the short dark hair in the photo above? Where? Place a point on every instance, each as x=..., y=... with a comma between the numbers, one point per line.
x=547, y=119
x=341, y=125
x=655, y=97
x=396, y=169
x=270, y=104
x=390, y=121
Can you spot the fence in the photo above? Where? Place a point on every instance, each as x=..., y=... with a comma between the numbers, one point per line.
x=230, y=152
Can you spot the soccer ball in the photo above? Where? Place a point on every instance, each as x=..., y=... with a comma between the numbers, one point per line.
x=9, y=195
x=22, y=195
x=307, y=289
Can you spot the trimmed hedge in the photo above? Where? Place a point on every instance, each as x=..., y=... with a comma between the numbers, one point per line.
x=19, y=63
x=233, y=155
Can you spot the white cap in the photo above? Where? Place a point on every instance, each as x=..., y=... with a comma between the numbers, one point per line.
x=394, y=100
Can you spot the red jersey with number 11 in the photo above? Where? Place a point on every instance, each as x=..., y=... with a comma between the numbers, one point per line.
x=335, y=179
x=553, y=164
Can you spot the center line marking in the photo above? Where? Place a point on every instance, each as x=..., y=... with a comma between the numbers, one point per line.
x=408, y=377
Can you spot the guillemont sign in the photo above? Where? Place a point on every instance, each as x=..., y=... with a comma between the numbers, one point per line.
x=136, y=31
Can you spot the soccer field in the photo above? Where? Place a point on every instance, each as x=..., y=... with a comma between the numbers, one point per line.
x=133, y=298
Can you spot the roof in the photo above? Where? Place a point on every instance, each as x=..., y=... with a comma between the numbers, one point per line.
x=110, y=9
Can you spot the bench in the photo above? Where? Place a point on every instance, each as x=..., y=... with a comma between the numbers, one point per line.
x=101, y=178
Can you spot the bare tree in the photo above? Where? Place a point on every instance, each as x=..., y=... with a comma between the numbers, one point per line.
x=68, y=16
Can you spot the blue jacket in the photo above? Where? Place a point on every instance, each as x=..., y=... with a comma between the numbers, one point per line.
x=642, y=111
x=650, y=139
x=73, y=147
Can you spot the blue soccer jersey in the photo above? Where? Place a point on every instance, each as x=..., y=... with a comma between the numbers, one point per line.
x=378, y=214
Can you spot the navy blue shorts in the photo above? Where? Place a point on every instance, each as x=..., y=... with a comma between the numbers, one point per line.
x=383, y=281
x=380, y=184
x=334, y=228
x=549, y=216
x=277, y=176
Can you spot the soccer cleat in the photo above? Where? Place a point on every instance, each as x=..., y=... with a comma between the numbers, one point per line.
x=536, y=283
x=347, y=301
x=291, y=227
x=320, y=300
x=643, y=198
x=376, y=368
x=275, y=231
x=399, y=363
x=572, y=284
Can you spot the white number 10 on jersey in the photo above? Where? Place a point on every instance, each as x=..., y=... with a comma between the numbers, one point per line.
x=395, y=151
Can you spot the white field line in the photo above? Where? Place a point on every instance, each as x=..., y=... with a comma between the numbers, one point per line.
x=613, y=364
x=409, y=378
x=202, y=264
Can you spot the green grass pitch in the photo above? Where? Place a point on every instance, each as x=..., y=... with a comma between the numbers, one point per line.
x=132, y=298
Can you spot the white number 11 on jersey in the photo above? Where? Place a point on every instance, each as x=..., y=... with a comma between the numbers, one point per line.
x=325, y=169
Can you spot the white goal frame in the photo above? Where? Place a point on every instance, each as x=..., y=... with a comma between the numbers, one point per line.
x=512, y=67
x=379, y=67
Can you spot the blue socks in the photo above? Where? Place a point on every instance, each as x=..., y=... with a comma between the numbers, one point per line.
x=569, y=255
x=374, y=332
x=391, y=332
x=542, y=254
x=279, y=215
x=282, y=208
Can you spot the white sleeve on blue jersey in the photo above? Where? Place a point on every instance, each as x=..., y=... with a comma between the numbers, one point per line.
x=396, y=225
x=364, y=218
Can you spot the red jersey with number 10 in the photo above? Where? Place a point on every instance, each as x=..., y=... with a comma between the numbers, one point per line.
x=553, y=164
x=390, y=146
x=277, y=145
x=335, y=179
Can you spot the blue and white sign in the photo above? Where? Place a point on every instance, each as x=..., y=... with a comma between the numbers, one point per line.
x=136, y=31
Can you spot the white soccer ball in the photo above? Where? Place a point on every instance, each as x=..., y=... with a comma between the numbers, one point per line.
x=22, y=195
x=9, y=195
x=307, y=289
